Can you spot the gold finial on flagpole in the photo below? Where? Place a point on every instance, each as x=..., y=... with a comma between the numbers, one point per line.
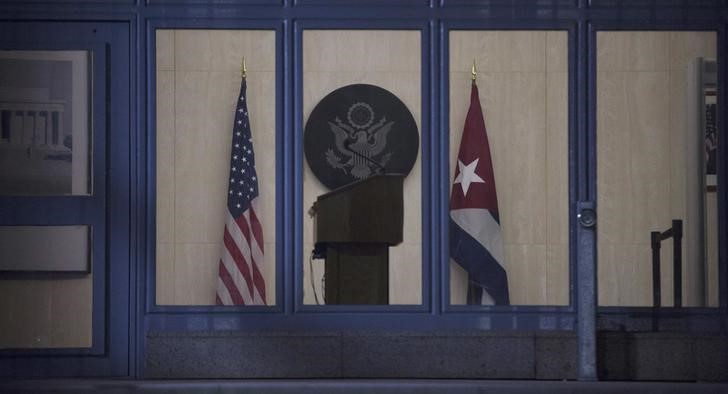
x=473, y=71
x=243, y=68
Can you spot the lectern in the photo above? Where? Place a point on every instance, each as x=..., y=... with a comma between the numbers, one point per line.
x=354, y=226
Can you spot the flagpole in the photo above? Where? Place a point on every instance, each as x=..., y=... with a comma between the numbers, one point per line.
x=474, y=72
x=243, y=69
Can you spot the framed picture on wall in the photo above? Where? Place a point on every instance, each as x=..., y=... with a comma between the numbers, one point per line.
x=44, y=122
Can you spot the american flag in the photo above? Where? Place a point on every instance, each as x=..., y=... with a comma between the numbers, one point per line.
x=240, y=281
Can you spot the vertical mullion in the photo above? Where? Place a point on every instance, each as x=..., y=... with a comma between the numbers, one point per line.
x=585, y=234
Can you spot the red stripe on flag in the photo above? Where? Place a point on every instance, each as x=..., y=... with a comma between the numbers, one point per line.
x=258, y=239
x=256, y=276
x=239, y=259
x=230, y=285
x=257, y=228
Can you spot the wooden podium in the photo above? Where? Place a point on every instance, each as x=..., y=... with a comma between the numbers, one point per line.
x=354, y=226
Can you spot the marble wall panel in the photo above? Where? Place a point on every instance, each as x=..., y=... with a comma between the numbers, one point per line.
x=198, y=81
x=165, y=157
x=165, y=50
x=523, y=88
x=641, y=148
x=633, y=51
x=390, y=60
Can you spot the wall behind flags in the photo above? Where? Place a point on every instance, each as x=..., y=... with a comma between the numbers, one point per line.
x=523, y=84
x=198, y=80
x=391, y=60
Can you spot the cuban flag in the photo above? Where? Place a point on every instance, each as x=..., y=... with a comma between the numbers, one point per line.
x=476, y=243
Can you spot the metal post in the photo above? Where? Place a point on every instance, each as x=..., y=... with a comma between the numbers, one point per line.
x=586, y=291
x=656, y=285
x=677, y=233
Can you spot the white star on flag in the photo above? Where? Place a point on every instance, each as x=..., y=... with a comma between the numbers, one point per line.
x=467, y=175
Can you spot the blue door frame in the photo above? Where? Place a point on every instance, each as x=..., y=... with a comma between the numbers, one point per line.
x=434, y=19
x=105, y=210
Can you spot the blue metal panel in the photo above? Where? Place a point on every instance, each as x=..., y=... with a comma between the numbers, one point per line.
x=106, y=210
x=270, y=3
x=362, y=3
x=509, y=3
x=393, y=320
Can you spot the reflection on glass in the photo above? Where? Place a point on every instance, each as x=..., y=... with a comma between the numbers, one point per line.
x=657, y=238
x=44, y=122
x=45, y=249
x=45, y=287
x=522, y=80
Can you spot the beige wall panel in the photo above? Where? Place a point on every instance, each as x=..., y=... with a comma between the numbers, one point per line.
x=165, y=49
x=198, y=118
x=687, y=45
x=557, y=51
x=556, y=160
x=165, y=273
x=165, y=157
x=641, y=137
x=192, y=50
x=679, y=133
x=684, y=48
x=532, y=185
x=391, y=60
x=527, y=273
x=613, y=165
x=651, y=146
x=624, y=277
x=633, y=51
x=262, y=107
x=404, y=268
x=201, y=137
x=498, y=51
x=557, y=275
x=195, y=276
x=71, y=310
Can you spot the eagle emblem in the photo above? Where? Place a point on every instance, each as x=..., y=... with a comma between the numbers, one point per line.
x=360, y=143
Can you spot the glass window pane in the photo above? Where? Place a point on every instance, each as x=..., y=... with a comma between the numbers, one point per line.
x=45, y=135
x=655, y=145
x=522, y=81
x=45, y=287
x=49, y=249
x=197, y=111
x=391, y=62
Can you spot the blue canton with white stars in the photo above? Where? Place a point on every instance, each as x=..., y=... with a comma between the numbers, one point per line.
x=243, y=184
